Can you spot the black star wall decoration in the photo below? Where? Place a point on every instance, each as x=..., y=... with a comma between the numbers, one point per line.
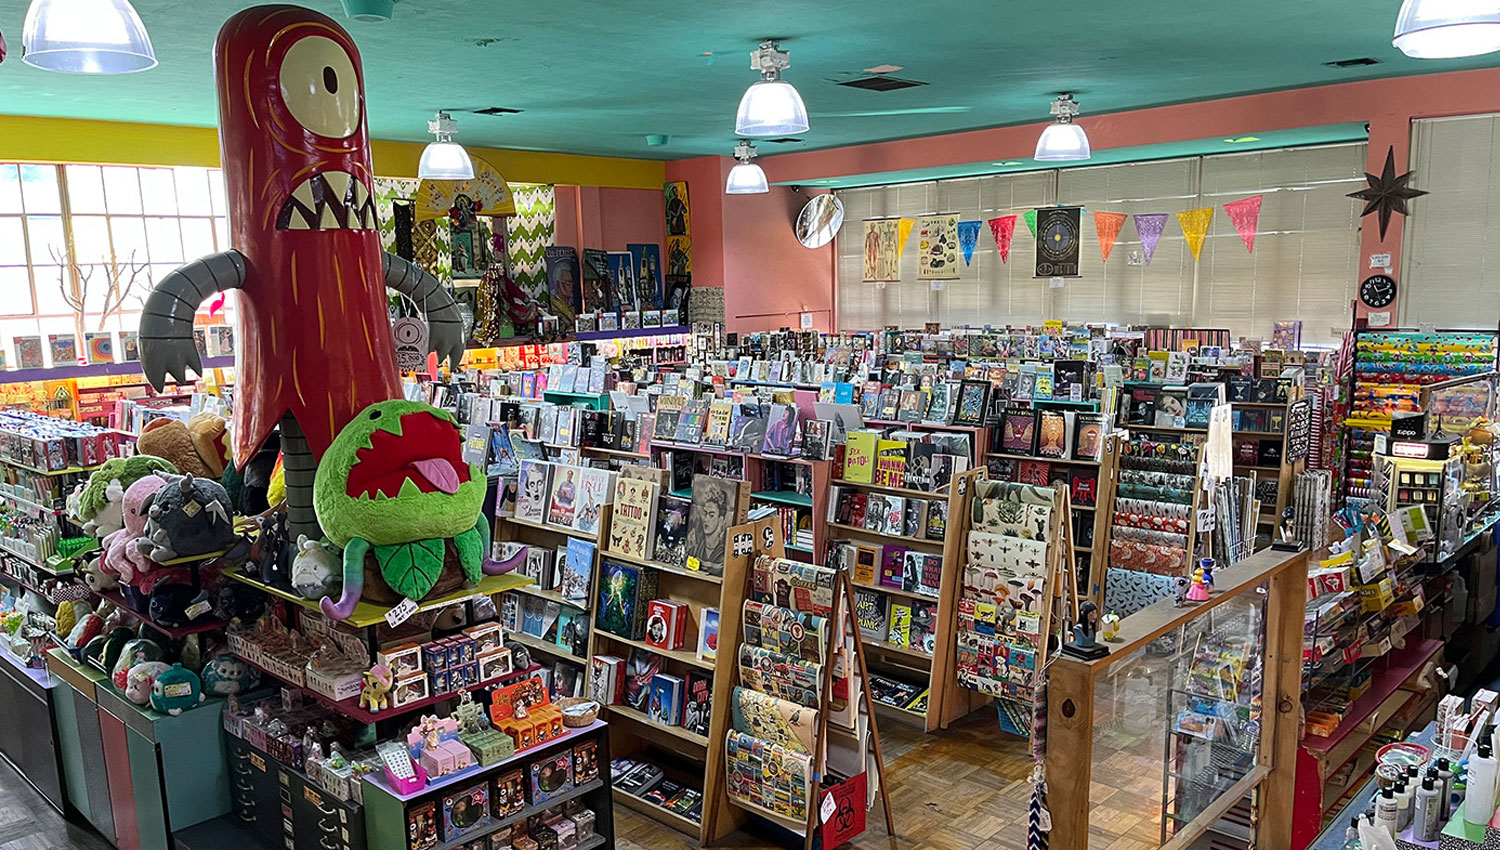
x=1387, y=193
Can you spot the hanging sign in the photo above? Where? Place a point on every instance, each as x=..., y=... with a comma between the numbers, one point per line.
x=1149, y=227
x=1107, y=225
x=1004, y=230
x=411, y=343
x=937, y=247
x=1057, y=241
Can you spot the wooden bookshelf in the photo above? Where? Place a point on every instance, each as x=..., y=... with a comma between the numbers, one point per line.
x=904, y=662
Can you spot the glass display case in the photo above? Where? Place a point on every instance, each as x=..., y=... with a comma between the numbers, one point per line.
x=1169, y=738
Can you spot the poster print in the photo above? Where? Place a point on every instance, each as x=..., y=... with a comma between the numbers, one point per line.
x=676, y=196
x=679, y=255
x=562, y=282
x=1057, y=241
x=622, y=276
x=937, y=247
x=882, y=259
x=646, y=258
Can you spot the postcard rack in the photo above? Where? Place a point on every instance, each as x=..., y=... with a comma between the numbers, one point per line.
x=1015, y=592
x=843, y=750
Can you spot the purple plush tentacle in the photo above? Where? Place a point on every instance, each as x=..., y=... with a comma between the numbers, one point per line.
x=354, y=582
x=493, y=567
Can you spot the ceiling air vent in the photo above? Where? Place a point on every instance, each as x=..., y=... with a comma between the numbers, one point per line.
x=881, y=82
x=1353, y=63
x=496, y=110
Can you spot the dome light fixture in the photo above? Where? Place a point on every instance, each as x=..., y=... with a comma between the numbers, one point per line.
x=1448, y=29
x=86, y=37
x=746, y=178
x=1063, y=141
x=444, y=159
x=369, y=11
x=771, y=106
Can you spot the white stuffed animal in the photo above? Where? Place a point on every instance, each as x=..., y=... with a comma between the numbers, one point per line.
x=317, y=568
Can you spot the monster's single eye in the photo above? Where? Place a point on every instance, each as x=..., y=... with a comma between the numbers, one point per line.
x=319, y=87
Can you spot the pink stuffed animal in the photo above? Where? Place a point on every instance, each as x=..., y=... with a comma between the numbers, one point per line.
x=132, y=565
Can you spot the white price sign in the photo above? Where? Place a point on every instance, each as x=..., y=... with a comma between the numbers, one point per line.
x=1206, y=519
x=401, y=613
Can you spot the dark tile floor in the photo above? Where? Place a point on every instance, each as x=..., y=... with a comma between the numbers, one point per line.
x=28, y=823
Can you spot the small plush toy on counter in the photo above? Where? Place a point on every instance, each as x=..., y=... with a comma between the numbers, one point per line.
x=1111, y=627
x=176, y=690
x=1198, y=592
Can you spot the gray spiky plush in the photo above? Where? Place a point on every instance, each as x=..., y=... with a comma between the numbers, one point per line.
x=189, y=517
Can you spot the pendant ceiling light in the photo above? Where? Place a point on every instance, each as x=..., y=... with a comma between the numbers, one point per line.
x=771, y=106
x=369, y=11
x=444, y=159
x=1063, y=141
x=86, y=37
x=746, y=178
x=1448, y=29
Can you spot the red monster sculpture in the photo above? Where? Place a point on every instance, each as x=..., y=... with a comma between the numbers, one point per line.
x=314, y=342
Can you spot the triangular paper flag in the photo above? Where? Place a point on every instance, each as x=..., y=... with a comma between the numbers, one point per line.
x=1030, y=216
x=1108, y=225
x=1004, y=229
x=1195, y=227
x=968, y=237
x=1246, y=217
x=903, y=230
x=1149, y=226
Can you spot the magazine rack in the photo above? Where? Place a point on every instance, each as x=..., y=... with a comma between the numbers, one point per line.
x=1057, y=611
x=848, y=800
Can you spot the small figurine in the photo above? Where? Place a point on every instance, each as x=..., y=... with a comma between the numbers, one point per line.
x=1084, y=644
x=1288, y=524
x=1111, y=630
x=1181, y=591
x=373, y=697
x=1207, y=565
x=468, y=714
x=1198, y=592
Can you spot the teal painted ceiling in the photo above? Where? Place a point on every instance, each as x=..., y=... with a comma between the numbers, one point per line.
x=597, y=77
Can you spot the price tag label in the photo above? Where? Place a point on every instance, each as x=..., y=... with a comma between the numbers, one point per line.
x=1379, y=320
x=694, y=564
x=1206, y=519
x=401, y=613
x=1075, y=392
x=197, y=609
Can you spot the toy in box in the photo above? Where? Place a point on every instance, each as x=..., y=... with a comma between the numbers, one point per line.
x=509, y=797
x=545, y=838
x=494, y=663
x=524, y=712
x=403, y=659
x=567, y=835
x=550, y=777
x=522, y=842
x=466, y=812
x=500, y=838
x=583, y=824
x=435, y=746
x=434, y=656
x=486, y=637
x=413, y=687
x=421, y=826
x=585, y=762
x=666, y=623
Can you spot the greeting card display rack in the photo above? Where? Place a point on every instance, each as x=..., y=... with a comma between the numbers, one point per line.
x=1153, y=529
x=1015, y=597
x=837, y=807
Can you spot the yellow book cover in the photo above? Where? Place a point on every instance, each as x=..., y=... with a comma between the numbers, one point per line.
x=890, y=463
x=859, y=457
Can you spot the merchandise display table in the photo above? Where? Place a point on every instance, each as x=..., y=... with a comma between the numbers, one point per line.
x=1332, y=836
x=27, y=738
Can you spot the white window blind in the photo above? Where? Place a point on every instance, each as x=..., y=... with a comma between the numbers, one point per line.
x=1451, y=259
x=1304, y=265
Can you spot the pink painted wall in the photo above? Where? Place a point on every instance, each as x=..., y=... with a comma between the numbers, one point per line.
x=609, y=218
x=705, y=177
x=751, y=249
x=769, y=277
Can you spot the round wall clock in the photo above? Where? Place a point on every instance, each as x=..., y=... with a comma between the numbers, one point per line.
x=1378, y=291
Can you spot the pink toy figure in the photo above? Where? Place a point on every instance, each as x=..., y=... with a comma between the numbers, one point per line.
x=121, y=556
x=1199, y=591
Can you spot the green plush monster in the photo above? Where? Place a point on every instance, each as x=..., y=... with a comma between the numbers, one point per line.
x=395, y=481
x=98, y=504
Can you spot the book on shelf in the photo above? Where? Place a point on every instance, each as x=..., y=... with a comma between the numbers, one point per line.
x=898, y=630
x=890, y=463
x=870, y=613
x=632, y=526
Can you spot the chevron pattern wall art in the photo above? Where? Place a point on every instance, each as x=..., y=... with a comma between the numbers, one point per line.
x=531, y=230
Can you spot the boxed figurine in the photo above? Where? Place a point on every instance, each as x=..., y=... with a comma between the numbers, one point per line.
x=466, y=812
x=402, y=659
x=413, y=687
x=494, y=663
x=550, y=777
x=509, y=797
x=486, y=637
x=421, y=826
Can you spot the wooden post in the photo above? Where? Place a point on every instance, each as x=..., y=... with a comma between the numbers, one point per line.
x=864, y=681
x=1281, y=702
x=1070, y=751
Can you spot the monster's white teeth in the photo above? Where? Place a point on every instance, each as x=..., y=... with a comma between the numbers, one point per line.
x=330, y=200
x=329, y=220
x=339, y=182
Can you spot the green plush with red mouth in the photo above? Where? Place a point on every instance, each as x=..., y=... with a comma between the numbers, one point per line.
x=395, y=481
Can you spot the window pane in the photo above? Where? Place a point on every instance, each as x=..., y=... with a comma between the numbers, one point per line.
x=192, y=191
x=10, y=189
x=12, y=242
x=165, y=239
x=122, y=190
x=49, y=292
x=130, y=239
x=90, y=238
x=158, y=192
x=216, y=191
x=157, y=272
x=85, y=189
x=197, y=237
x=16, y=286
x=47, y=244
x=39, y=186
x=221, y=229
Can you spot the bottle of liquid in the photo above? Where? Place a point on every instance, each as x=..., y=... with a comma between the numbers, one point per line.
x=1387, y=811
x=1445, y=775
x=1425, y=824
x=1351, y=835
x=1441, y=805
x=1479, y=802
x=1403, y=804
x=1413, y=785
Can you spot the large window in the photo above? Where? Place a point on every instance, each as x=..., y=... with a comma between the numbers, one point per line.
x=1304, y=266
x=1451, y=258
x=72, y=230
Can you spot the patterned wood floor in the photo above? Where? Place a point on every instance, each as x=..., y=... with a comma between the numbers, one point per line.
x=962, y=789
x=28, y=823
